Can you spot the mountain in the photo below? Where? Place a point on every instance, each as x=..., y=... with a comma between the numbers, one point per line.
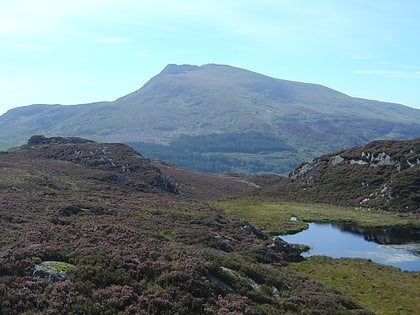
x=382, y=174
x=95, y=228
x=218, y=118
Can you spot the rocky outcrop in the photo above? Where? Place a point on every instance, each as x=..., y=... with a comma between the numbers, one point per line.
x=380, y=159
x=253, y=230
x=399, y=157
x=370, y=159
x=281, y=245
x=304, y=169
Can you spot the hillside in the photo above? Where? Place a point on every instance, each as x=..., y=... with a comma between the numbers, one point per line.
x=381, y=174
x=217, y=118
x=91, y=228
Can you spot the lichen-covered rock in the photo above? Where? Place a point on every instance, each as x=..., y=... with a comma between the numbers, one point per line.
x=53, y=271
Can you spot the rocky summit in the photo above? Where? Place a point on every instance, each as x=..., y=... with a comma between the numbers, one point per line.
x=93, y=228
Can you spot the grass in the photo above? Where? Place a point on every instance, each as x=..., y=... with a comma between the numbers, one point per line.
x=381, y=289
x=274, y=217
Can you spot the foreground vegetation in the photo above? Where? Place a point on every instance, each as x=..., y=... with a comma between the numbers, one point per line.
x=138, y=239
x=136, y=245
x=381, y=289
x=274, y=217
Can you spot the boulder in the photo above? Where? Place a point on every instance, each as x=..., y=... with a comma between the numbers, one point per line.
x=53, y=271
x=253, y=230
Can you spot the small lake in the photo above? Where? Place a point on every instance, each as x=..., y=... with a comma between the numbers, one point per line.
x=394, y=247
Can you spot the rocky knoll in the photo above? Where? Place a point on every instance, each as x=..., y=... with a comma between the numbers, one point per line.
x=382, y=174
x=118, y=162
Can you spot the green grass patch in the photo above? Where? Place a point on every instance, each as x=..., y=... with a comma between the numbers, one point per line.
x=274, y=217
x=381, y=289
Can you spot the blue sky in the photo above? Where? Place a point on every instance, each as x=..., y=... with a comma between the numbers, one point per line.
x=80, y=51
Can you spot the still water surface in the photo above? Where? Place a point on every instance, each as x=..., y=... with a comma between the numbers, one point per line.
x=338, y=242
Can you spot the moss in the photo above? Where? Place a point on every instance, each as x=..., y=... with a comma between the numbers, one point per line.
x=58, y=266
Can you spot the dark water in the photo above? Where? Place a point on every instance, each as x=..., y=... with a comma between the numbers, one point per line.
x=394, y=247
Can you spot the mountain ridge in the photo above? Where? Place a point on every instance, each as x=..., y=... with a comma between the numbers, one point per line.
x=200, y=101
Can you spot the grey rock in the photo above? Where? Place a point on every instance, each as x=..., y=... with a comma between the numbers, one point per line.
x=53, y=271
x=253, y=230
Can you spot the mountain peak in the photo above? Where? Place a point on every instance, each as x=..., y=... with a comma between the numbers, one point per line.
x=177, y=69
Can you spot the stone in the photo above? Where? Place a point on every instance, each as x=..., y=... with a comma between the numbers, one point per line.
x=303, y=170
x=53, y=271
x=253, y=230
x=337, y=160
